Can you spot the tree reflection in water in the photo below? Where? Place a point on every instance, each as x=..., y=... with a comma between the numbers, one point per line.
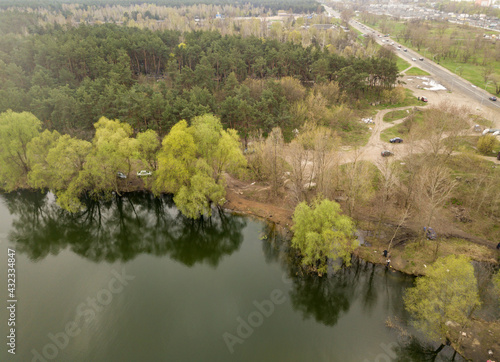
x=120, y=229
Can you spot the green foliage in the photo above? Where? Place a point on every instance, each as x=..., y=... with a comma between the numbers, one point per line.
x=191, y=162
x=322, y=233
x=16, y=131
x=194, y=199
x=65, y=160
x=175, y=160
x=148, y=146
x=448, y=292
x=71, y=77
x=486, y=144
x=38, y=149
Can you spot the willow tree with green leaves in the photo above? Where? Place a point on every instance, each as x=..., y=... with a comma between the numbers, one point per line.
x=191, y=162
x=321, y=233
x=39, y=147
x=111, y=151
x=16, y=131
x=442, y=302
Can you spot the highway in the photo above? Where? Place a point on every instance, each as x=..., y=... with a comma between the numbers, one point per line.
x=451, y=81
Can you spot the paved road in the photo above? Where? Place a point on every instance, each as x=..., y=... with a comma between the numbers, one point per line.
x=451, y=81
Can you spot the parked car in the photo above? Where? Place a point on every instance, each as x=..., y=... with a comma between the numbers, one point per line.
x=494, y=99
x=396, y=140
x=143, y=173
x=430, y=233
x=423, y=99
x=414, y=59
x=386, y=153
x=405, y=50
x=421, y=58
x=121, y=175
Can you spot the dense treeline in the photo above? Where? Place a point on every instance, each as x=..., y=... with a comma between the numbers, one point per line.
x=189, y=164
x=69, y=78
x=296, y=6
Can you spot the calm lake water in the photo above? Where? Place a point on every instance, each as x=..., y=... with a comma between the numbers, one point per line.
x=132, y=280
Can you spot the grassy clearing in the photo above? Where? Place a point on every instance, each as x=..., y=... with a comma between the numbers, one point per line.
x=402, y=64
x=356, y=138
x=419, y=254
x=395, y=115
x=416, y=71
x=468, y=144
x=402, y=129
x=482, y=121
x=475, y=192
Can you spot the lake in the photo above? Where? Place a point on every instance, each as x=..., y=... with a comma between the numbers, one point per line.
x=132, y=280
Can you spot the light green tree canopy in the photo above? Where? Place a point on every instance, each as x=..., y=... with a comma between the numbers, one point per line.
x=39, y=175
x=66, y=159
x=16, y=131
x=321, y=233
x=448, y=292
x=175, y=160
x=192, y=160
x=194, y=200
x=111, y=151
x=148, y=146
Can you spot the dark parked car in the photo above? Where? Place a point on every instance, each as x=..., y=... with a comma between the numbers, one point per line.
x=405, y=50
x=396, y=140
x=386, y=153
x=430, y=233
x=494, y=99
x=421, y=58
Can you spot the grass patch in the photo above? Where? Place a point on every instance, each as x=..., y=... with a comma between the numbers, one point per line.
x=402, y=64
x=402, y=129
x=469, y=143
x=416, y=71
x=465, y=143
x=355, y=138
x=417, y=255
x=395, y=115
x=482, y=121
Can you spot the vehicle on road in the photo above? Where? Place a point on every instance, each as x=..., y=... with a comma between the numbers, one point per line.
x=121, y=175
x=423, y=99
x=396, y=140
x=414, y=59
x=421, y=58
x=405, y=50
x=494, y=99
x=143, y=173
x=386, y=153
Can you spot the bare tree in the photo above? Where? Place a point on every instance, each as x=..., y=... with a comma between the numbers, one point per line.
x=274, y=165
x=435, y=186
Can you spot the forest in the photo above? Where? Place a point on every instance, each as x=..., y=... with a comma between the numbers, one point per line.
x=296, y=6
x=69, y=78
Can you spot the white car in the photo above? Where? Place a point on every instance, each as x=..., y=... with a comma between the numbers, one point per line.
x=414, y=59
x=143, y=173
